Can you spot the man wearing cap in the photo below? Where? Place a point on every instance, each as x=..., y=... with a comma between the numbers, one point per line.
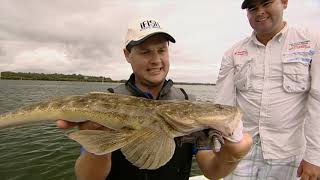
x=147, y=50
x=274, y=77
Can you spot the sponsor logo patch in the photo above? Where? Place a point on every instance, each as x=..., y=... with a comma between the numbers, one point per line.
x=241, y=53
x=299, y=45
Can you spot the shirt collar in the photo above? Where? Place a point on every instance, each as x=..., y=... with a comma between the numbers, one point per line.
x=281, y=35
x=138, y=92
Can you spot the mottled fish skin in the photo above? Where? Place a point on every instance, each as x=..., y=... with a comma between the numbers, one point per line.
x=187, y=116
x=137, y=125
x=111, y=110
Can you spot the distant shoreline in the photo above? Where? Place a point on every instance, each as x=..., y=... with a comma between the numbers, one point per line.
x=8, y=75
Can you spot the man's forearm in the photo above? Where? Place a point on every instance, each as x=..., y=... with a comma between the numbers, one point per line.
x=212, y=167
x=92, y=167
x=220, y=164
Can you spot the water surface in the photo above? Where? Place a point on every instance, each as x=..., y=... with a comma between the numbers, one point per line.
x=42, y=151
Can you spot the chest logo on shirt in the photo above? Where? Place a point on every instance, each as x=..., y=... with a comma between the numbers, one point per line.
x=300, y=45
x=241, y=53
x=299, y=52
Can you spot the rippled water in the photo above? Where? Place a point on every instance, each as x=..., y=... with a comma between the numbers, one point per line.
x=42, y=151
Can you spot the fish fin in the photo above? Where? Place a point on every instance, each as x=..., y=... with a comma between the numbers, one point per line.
x=101, y=141
x=152, y=150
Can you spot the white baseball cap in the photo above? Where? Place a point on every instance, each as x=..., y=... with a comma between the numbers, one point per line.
x=141, y=29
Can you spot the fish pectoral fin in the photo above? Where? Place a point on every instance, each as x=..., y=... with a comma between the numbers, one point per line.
x=153, y=149
x=100, y=141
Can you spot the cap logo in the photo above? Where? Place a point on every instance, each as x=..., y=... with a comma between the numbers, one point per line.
x=149, y=24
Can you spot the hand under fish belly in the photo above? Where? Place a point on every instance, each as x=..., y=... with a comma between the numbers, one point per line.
x=143, y=129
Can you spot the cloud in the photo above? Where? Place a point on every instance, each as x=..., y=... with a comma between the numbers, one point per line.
x=41, y=60
x=87, y=37
x=86, y=33
x=2, y=52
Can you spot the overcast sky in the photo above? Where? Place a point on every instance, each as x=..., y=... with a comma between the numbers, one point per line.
x=87, y=36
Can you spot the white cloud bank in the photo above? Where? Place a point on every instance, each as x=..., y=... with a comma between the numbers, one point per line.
x=86, y=37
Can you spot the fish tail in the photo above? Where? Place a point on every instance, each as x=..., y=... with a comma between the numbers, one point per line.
x=21, y=118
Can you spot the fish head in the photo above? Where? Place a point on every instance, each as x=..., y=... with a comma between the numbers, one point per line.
x=224, y=118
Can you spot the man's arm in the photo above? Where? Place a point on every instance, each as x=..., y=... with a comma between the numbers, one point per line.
x=220, y=164
x=92, y=167
x=310, y=166
x=225, y=86
x=215, y=165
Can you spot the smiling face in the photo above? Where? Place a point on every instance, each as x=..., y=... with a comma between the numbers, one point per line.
x=150, y=61
x=266, y=16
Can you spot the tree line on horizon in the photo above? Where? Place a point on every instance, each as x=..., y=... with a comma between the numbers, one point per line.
x=53, y=77
x=67, y=77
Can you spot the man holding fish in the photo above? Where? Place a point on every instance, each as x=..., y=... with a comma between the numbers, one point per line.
x=147, y=50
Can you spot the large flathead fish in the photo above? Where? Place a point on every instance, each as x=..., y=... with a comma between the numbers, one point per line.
x=143, y=129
